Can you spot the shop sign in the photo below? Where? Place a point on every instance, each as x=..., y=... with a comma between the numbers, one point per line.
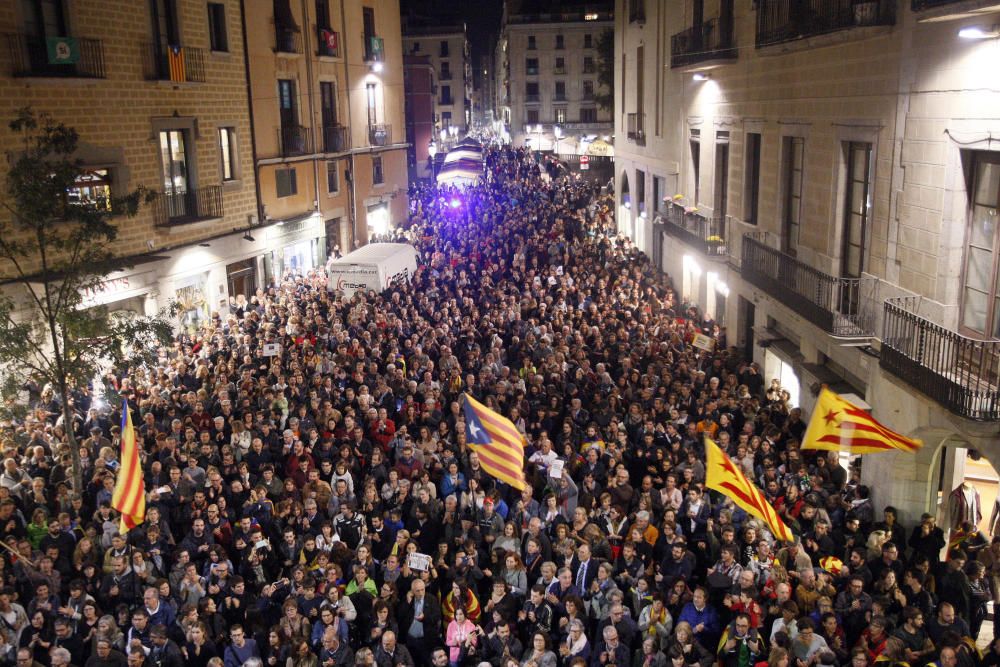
x=112, y=286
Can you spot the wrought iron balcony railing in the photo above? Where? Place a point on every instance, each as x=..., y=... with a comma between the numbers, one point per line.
x=707, y=235
x=380, y=134
x=532, y=98
x=31, y=56
x=287, y=39
x=164, y=62
x=919, y=5
x=294, y=140
x=711, y=40
x=188, y=205
x=787, y=20
x=328, y=43
x=636, y=128
x=336, y=139
x=960, y=373
x=840, y=306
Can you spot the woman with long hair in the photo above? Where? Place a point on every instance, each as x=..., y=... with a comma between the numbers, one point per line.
x=275, y=651
x=199, y=649
x=461, y=637
x=460, y=596
x=301, y=655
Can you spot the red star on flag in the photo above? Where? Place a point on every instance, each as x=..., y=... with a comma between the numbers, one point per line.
x=831, y=416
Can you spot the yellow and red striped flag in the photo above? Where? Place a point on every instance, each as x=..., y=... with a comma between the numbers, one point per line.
x=723, y=476
x=839, y=425
x=129, y=497
x=497, y=441
x=176, y=64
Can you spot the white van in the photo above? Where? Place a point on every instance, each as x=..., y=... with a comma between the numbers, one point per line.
x=376, y=266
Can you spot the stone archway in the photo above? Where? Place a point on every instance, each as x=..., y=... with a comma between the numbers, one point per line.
x=913, y=479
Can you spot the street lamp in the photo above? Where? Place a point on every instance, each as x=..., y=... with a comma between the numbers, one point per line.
x=557, y=132
x=432, y=149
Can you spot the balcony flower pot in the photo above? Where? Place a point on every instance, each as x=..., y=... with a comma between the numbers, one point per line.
x=866, y=13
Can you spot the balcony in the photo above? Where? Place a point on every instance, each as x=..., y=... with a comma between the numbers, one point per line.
x=380, y=134
x=839, y=306
x=445, y=76
x=186, y=206
x=374, y=49
x=636, y=132
x=446, y=101
x=328, y=43
x=788, y=20
x=287, y=39
x=294, y=140
x=707, y=235
x=559, y=97
x=712, y=40
x=559, y=70
x=335, y=139
x=589, y=68
x=588, y=96
x=531, y=71
x=532, y=98
x=173, y=63
x=30, y=56
x=960, y=373
x=637, y=11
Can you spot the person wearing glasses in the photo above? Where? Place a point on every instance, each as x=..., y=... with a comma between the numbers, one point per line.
x=743, y=646
x=241, y=649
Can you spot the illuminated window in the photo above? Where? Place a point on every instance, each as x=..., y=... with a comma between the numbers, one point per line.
x=91, y=188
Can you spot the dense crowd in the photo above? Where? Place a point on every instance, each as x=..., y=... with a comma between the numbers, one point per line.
x=320, y=508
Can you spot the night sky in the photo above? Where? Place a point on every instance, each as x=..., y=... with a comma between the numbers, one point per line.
x=481, y=16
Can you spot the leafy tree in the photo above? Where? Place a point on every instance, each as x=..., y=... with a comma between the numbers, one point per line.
x=53, y=252
x=605, y=93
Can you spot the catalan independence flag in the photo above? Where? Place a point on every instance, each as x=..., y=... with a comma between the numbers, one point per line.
x=727, y=479
x=839, y=425
x=497, y=441
x=175, y=63
x=129, y=497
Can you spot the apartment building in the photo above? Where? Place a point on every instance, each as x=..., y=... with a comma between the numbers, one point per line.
x=824, y=184
x=156, y=91
x=451, y=57
x=421, y=120
x=546, y=69
x=326, y=90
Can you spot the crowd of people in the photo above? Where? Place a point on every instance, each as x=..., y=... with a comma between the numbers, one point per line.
x=321, y=507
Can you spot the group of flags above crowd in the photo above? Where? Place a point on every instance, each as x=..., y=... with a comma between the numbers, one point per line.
x=836, y=425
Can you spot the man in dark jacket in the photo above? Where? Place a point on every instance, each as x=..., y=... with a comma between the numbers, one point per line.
x=609, y=651
x=420, y=622
x=165, y=651
x=500, y=645
x=391, y=654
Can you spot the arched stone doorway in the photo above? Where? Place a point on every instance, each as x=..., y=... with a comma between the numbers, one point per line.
x=922, y=482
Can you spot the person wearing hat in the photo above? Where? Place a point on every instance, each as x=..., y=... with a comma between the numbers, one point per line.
x=955, y=587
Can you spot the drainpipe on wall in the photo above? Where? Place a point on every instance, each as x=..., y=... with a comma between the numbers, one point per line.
x=253, y=132
x=352, y=192
x=317, y=135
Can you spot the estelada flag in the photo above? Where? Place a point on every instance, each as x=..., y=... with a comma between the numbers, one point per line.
x=839, y=425
x=497, y=441
x=129, y=496
x=723, y=476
